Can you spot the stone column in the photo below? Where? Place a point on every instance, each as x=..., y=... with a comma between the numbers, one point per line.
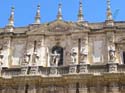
x=21, y=89
x=7, y=52
x=104, y=89
x=9, y=90
x=65, y=89
x=0, y=90
x=122, y=89
x=72, y=69
x=40, y=90
x=113, y=67
x=32, y=89
x=83, y=90
x=83, y=68
x=114, y=88
x=3, y=90
x=72, y=90
x=92, y=90
x=61, y=90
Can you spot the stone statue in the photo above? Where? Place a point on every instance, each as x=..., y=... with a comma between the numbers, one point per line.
x=1, y=56
x=83, y=55
x=73, y=55
x=35, y=57
x=27, y=58
x=1, y=59
x=111, y=53
x=55, y=58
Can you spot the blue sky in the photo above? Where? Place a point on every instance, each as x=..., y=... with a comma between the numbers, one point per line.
x=25, y=10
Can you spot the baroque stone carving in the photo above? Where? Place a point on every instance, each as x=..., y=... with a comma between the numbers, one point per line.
x=111, y=53
x=55, y=57
x=34, y=70
x=74, y=55
x=83, y=55
x=27, y=57
x=1, y=55
x=53, y=71
x=73, y=69
x=35, y=58
x=83, y=68
x=112, y=67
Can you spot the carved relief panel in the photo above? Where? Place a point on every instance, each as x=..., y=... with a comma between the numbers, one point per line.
x=18, y=50
x=97, y=51
x=97, y=47
x=6, y=51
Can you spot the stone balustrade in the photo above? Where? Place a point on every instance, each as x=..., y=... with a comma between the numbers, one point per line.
x=83, y=78
x=62, y=70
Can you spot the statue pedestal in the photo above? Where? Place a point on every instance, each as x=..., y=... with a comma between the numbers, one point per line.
x=53, y=71
x=24, y=70
x=112, y=67
x=21, y=89
x=72, y=91
x=83, y=68
x=83, y=90
x=115, y=90
x=72, y=69
x=34, y=70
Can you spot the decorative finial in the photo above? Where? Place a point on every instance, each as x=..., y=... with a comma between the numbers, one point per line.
x=37, y=18
x=11, y=19
x=10, y=26
x=109, y=13
x=59, y=15
x=80, y=14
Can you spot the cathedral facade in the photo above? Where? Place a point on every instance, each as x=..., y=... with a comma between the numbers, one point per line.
x=63, y=57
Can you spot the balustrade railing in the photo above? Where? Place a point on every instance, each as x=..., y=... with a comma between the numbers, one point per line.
x=62, y=70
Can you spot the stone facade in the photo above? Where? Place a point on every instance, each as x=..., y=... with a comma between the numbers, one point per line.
x=63, y=57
